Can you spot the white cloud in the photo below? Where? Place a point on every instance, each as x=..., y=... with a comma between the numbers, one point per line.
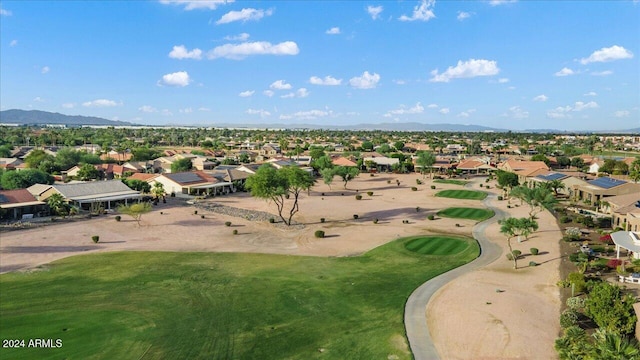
x=166, y=112
x=417, y=109
x=608, y=54
x=602, y=73
x=45, y=69
x=180, y=78
x=288, y=96
x=242, y=50
x=564, y=72
x=13, y=43
x=239, y=37
x=467, y=113
x=268, y=93
x=147, y=109
x=4, y=12
x=186, y=111
x=244, y=15
x=247, y=93
x=579, y=105
x=204, y=109
x=444, y=111
x=422, y=12
x=306, y=115
x=328, y=80
x=503, y=80
x=432, y=106
x=68, y=105
x=374, y=11
x=197, y=4
x=38, y=99
x=562, y=112
x=501, y=2
x=400, y=82
x=263, y=113
x=621, y=113
x=462, y=15
x=302, y=93
x=590, y=93
x=280, y=85
x=333, y=31
x=541, y=98
x=181, y=52
x=366, y=81
x=100, y=103
x=468, y=69
x=516, y=112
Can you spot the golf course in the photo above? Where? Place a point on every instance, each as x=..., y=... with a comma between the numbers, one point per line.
x=462, y=194
x=466, y=213
x=185, y=305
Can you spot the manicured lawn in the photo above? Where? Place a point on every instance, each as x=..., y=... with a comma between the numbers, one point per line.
x=160, y=305
x=462, y=194
x=450, y=181
x=437, y=245
x=466, y=213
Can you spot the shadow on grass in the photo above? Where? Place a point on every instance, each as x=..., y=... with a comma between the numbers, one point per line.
x=408, y=212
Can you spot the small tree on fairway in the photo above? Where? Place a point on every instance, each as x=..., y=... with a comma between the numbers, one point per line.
x=135, y=210
x=511, y=228
x=425, y=160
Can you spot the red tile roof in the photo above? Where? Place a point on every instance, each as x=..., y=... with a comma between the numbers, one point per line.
x=16, y=196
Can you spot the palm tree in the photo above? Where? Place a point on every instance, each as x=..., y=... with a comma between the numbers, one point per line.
x=158, y=191
x=613, y=346
x=555, y=185
x=57, y=204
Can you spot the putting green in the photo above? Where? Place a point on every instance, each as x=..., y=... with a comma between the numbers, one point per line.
x=450, y=181
x=462, y=194
x=437, y=245
x=466, y=213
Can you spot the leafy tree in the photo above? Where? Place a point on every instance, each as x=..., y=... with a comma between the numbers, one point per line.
x=321, y=163
x=135, y=210
x=37, y=156
x=24, y=178
x=573, y=345
x=399, y=145
x=367, y=145
x=541, y=157
x=88, y=172
x=527, y=226
x=634, y=170
x=244, y=158
x=507, y=179
x=563, y=161
x=57, y=204
x=425, y=160
x=158, y=190
x=384, y=148
x=137, y=185
x=278, y=185
x=511, y=227
x=554, y=185
x=5, y=150
x=577, y=162
x=610, y=309
x=316, y=152
x=181, y=165
x=538, y=199
x=327, y=176
x=144, y=154
x=347, y=173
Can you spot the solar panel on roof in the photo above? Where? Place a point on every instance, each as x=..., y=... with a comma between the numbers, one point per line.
x=606, y=182
x=552, y=176
x=185, y=177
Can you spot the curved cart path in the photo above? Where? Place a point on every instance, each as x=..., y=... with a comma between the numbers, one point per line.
x=415, y=318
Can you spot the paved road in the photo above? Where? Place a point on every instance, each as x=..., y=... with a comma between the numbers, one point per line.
x=415, y=318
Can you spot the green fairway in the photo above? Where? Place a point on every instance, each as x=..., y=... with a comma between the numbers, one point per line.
x=160, y=305
x=437, y=245
x=450, y=181
x=466, y=213
x=462, y=194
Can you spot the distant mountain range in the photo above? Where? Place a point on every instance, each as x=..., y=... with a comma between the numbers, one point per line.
x=37, y=117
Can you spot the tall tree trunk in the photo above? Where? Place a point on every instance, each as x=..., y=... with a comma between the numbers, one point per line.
x=515, y=258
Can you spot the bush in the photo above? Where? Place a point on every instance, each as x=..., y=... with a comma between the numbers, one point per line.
x=418, y=181
x=235, y=231
x=509, y=257
x=516, y=253
x=272, y=220
x=405, y=221
x=95, y=238
x=358, y=197
x=228, y=223
x=606, y=239
x=534, y=251
x=388, y=181
x=173, y=194
x=195, y=212
x=322, y=220
x=565, y=219
x=568, y=318
x=319, y=234
x=433, y=187
x=372, y=174
x=614, y=263
x=577, y=279
x=375, y=221
x=533, y=263
x=417, y=208
x=370, y=193
x=575, y=303
x=573, y=233
x=488, y=187
x=413, y=188
x=481, y=185
x=118, y=217
x=201, y=216
x=458, y=225
x=500, y=198
x=431, y=217
x=355, y=216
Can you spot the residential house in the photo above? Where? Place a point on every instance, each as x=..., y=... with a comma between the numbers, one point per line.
x=343, y=161
x=624, y=211
x=193, y=183
x=524, y=169
x=597, y=190
x=476, y=166
x=90, y=195
x=569, y=181
x=113, y=155
x=20, y=204
x=381, y=163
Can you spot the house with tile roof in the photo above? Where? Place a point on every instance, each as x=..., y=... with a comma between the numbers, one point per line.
x=20, y=204
x=624, y=211
x=90, y=195
x=476, y=166
x=193, y=183
x=595, y=191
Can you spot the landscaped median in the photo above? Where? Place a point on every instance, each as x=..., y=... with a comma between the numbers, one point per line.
x=130, y=305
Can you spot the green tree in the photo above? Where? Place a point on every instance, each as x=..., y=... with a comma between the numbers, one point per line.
x=634, y=170
x=58, y=205
x=425, y=160
x=610, y=309
x=573, y=345
x=5, y=151
x=609, y=345
x=321, y=163
x=37, y=156
x=144, y=154
x=563, y=161
x=347, y=173
x=538, y=199
x=541, y=157
x=507, y=179
x=327, y=176
x=181, y=165
x=137, y=185
x=367, y=145
x=511, y=227
x=577, y=162
x=158, y=190
x=24, y=178
x=88, y=172
x=135, y=210
x=399, y=145
x=66, y=158
x=316, y=152
x=554, y=185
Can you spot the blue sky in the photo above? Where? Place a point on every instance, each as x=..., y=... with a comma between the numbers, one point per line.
x=568, y=65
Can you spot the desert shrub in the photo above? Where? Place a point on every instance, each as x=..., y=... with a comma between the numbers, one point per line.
x=405, y=221
x=533, y=263
x=195, y=212
x=481, y=185
x=575, y=303
x=355, y=216
x=235, y=231
x=372, y=174
x=565, y=219
x=118, y=217
x=431, y=217
x=418, y=181
x=375, y=221
x=358, y=197
x=573, y=233
x=370, y=193
x=458, y=225
x=508, y=206
x=488, y=187
x=272, y=220
x=433, y=187
x=161, y=212
x=620, y=270
x=413, y=188
x=509, y=257
x=95, y=238
x=604, y=222
x=173, y=194
x=614, y=263
x=516, y=253
x=201, y=216
x=417, y=208
x=500, y=198
x=227, y=223
x=534, y=251
x=577, y=279
x=388, y=181
x=319, y=234
x=568, y=318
